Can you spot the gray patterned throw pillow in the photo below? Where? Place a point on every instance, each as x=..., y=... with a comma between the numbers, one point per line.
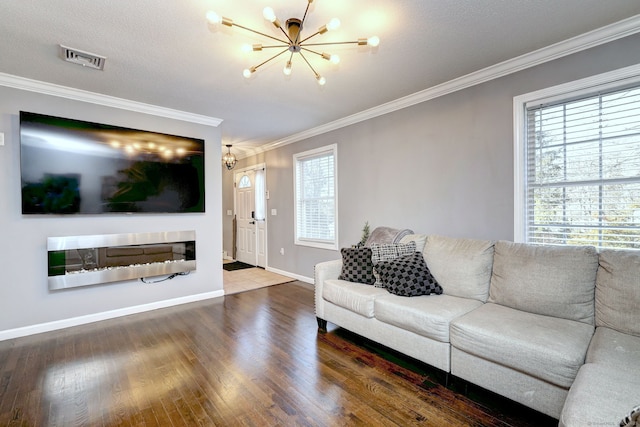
x=408, y=276
x=357, y=265
x=387, y=252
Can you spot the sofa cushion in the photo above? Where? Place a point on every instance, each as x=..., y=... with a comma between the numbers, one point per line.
x=614, y=348
x=356, y=297
x=420, y=239
x=388, y=252
x=548, y=348
x=429, y=316
x=554, y=281
x=601, y=395
x=618, y=291
x=357, y=265
x=408, y=276
x=461, y=266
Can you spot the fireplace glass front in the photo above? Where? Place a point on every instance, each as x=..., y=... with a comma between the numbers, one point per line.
x=87, y=260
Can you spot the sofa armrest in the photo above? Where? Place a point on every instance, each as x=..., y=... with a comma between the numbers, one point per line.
x=324, y=271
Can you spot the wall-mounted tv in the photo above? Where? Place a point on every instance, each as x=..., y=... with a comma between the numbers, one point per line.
x=76, y=167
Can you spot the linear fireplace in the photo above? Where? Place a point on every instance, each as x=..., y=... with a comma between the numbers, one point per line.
x=88, y=260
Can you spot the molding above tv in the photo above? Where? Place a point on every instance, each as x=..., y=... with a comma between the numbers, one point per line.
x=45, y=88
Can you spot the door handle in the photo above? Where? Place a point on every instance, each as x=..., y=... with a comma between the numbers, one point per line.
x=252, y=222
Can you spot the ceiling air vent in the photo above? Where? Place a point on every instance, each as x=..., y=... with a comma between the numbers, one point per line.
x=79, y=57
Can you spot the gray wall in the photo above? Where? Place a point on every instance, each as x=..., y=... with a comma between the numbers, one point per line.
x=444, y=166
x=24, y=296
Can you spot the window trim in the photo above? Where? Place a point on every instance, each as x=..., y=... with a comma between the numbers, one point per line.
x=566, y=91
x=333, y=149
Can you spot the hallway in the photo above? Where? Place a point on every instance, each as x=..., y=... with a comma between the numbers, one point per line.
x=249, y=279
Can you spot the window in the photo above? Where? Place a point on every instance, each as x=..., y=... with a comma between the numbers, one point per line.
x=245, y=182
x=316, y=200
x=260, y=213
x=580, y=168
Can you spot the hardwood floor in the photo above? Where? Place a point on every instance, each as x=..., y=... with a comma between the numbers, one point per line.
x=249, y=359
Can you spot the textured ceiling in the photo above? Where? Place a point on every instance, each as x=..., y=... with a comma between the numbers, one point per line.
x=165, y=53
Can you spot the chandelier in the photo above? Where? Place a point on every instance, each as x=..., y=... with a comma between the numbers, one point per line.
x=293, y=42
x=229, y=159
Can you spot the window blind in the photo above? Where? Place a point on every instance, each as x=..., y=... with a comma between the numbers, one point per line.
x=583, y=171
x=316, y=198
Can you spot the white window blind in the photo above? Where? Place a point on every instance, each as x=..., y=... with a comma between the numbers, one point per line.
x=583, y=170
x=315, y=198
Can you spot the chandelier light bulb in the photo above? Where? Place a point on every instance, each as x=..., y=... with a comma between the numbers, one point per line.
x=213, y=17
x=287, y=69
x=334, y=59
x=269, y=14
x=373, y=41
x=334, y=24
x=321, y=80
x=247, y=73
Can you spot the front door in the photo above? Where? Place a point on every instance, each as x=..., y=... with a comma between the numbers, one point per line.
x=245, y=213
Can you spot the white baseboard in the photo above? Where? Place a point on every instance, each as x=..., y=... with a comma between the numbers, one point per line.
x=90, y=318
x=305, y=279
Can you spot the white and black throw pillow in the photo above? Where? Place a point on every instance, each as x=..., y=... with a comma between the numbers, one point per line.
x=408, y=276
x=357, y=265
x=633, y=419
x=387, y=252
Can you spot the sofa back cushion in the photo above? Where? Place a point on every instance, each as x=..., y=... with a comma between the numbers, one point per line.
x=461, y=266
x=420, y=239
x=618, y=291
x=556, y=281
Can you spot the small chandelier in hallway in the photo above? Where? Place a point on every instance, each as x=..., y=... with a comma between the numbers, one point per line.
x=229, y=159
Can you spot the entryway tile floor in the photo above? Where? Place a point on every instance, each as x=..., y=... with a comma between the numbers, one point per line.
x=249, y=279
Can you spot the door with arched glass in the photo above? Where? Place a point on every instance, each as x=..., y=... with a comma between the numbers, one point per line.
x=250, y=217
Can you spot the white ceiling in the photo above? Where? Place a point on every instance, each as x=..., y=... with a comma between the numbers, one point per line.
x=164, y=53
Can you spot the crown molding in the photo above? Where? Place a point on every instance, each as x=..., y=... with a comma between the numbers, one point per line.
x=567, y=47
x=45, y=88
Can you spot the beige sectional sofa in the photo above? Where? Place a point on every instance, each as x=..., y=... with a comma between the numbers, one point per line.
x=554, y=328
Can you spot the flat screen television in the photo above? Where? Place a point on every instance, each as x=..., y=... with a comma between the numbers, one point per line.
x=76, y=167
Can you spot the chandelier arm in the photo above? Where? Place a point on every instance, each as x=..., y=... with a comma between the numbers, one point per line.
x=312, y=35
x=309, y=50
x=304, y=17
x=262, y=34
x=331, y=43
x=270, y=59
x=285, y=34
x=309, y=64
x=275, y=45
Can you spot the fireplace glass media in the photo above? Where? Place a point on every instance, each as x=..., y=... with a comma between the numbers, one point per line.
x=88, y=260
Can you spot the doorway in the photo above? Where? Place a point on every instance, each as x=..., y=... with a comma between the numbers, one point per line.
x=250, y=220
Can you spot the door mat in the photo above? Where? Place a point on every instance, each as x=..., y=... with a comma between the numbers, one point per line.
x=236, y=265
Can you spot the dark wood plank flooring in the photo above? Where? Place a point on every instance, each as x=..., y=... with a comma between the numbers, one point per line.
x=249, y=359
